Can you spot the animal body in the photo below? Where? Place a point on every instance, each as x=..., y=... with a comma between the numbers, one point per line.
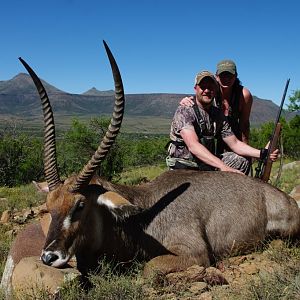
x=181, y=218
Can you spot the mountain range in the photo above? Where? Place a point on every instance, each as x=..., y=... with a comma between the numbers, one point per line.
x=19, y=98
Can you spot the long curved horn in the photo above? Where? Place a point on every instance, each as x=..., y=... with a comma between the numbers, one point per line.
x=87, y=172
x=50, y=163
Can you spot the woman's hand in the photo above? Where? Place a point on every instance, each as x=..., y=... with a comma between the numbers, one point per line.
x=187, y=101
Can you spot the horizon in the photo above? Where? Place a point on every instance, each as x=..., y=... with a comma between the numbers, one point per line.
x=159, y=46
x=111, y=90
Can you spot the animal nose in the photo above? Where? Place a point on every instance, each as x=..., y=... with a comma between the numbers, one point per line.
x=49, y=258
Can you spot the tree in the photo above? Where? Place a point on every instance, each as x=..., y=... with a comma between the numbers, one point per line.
x=290, y=136
x=80, y=142
x=294, y=101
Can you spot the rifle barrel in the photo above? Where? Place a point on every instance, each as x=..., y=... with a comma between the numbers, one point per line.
x=279, y=112
x=282, y=100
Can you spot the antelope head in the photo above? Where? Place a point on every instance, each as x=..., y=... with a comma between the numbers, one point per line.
x=69, y=201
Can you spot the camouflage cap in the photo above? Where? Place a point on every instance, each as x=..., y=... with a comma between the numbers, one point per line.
x=204, y=74
x=226, y=66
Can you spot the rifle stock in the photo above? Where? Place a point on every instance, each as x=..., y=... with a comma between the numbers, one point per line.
x=266, y=171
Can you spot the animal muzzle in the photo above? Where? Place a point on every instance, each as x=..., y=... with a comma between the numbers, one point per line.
x=54, y=258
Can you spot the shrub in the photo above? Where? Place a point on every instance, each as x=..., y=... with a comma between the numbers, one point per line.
x=20, y=159
x=80, y=142
x=290, y=136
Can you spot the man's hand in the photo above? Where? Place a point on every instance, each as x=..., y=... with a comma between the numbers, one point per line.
x=274, y=155
x=225, y=168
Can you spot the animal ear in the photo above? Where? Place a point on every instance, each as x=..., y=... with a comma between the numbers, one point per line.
x=41, y=186
x=120, y=207
x=112, y=200
x=123, y=212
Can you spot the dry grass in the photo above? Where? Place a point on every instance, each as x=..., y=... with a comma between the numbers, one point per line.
x=282, y=283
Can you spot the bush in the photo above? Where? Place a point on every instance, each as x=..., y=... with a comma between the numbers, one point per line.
x=290, y=136
x=80, y=142
x=20, y=159
x=21, y=155
x=142, y=150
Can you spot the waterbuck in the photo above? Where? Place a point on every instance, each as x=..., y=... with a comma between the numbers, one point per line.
x=179, y=219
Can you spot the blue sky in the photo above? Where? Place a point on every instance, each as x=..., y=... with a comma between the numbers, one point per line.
x=159, y=45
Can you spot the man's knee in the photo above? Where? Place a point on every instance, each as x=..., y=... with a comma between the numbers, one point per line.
x=237, y=162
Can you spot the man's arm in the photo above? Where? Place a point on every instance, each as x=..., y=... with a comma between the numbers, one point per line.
x=201, y=152
x=243, y=149
x=246, y=101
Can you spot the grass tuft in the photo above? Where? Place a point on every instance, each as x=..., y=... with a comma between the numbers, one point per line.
x=20, y=197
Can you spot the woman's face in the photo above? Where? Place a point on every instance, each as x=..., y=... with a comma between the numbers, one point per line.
x=226, y=79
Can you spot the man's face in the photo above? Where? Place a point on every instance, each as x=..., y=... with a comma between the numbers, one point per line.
x=205, y=91
x=226, y=79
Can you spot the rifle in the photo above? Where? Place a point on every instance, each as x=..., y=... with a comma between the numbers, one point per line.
x=264, y=167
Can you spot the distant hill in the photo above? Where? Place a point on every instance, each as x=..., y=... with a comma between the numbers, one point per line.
x=22, y=84
x=18, y=97
x=94, y=92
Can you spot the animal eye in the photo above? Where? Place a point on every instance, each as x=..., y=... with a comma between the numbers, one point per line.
x=80, y=205
x=77, y=210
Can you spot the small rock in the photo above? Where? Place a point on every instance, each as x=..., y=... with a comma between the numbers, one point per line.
x=195, y=269
x=176, y=277
x=19, y=219
x=40, y=210
x=205, y=296
x=195, y=273
x=3, y=202
x=237, y=260
x=198, y=287
x=295, y=193
x=214, y=276
x=10, y=233
x=249, y=268
x=5, y=217
x=28, y=214
x=192, y=274
x=291, y=165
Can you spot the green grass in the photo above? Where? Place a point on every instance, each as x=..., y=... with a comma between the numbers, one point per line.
x=108, y=284
x=15, y=199
x=5, y=242
x=289, y=177
x=150, y=125
x=112, y=285
x=20, y=197
x=140, y=174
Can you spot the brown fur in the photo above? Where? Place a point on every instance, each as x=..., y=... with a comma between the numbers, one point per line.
x=190, y=217
x=29, y=242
